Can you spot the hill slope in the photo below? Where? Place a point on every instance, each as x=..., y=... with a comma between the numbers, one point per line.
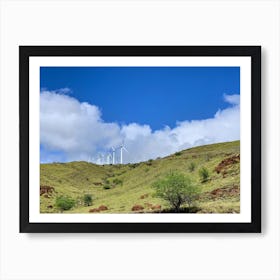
x=120, y=187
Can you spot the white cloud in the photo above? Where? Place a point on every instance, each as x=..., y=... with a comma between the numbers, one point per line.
x=233, y=99
x=77, y=130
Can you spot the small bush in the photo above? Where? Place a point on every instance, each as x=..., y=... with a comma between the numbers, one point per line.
x=178, y=153
x=87, y=200
x=64, y=203
x=191, y=166
x=117, y=181
x=149, y=162
x=106, y=181
x=203, y=174
x=207, y=157
x=106, y=187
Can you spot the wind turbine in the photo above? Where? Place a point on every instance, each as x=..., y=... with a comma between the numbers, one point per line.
x=113, y=154
x=102, y=158
x=99, y=159
x=122, y=147
x=109, y=156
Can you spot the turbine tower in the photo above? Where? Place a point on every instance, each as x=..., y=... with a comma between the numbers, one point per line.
x=113, y=154
x=122, y=147
x=102, y=159
x=98, y=160
x=109, y=156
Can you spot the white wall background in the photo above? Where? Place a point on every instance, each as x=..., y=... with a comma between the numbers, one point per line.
x=139, y=256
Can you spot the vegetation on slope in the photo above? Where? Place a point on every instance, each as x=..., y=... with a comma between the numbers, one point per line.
x=214, y=169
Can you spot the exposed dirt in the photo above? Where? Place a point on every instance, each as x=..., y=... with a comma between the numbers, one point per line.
x=151, y=206
x=225, y=164
x=46, y=190
x=99, y=209
x=103, y=208
x=223, y=192
x=137, y=208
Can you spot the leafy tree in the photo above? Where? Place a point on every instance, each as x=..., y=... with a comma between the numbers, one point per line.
x=203, y=174
x=87, y=199
x=176, y=189
x=191, y=167
x=64, y=203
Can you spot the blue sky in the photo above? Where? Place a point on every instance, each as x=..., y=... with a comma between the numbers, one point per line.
x=155, y=110
x=157, y=96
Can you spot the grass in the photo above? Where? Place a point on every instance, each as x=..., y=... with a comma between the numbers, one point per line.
x=130, y=184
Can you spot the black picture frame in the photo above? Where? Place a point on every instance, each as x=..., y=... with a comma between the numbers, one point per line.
x=254, y=52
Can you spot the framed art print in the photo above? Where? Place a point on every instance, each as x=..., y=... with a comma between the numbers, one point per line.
x=140, y=138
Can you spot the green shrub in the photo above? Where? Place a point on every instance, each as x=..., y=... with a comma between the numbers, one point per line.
x=191, y=166
x=149, y=162
x=106, y=187
x=176, y=189
x=64, y=203
x=87, y=199
x=133, y=165
x=117, y=181
x=105, y=181
x=203, y=174
x=207, y=157
x=178, y=153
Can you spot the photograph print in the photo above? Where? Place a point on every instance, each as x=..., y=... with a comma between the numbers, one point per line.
x=139, y=140
x=149, y=138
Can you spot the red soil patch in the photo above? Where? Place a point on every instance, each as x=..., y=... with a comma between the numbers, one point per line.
x=99, y=209
x=226, y=191
x=137, y=208
x=224, y=164
x=156, y=207
x=46, y=190
x=94, y=210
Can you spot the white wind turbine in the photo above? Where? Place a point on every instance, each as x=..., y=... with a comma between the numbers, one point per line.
x=99, y=159
x=113, y=154
x=122, y=147
x=109, y=157
x=102, y=158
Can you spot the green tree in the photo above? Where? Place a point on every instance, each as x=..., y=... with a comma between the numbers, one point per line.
x=87, y=199
x=64, y=203
x=176, y=189
x=203, y=174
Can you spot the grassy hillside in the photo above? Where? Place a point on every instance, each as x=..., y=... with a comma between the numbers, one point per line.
x=120, y=187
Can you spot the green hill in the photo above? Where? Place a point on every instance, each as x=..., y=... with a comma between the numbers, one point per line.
x=118, y=188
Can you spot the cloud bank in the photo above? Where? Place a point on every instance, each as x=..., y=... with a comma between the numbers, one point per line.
x=71, y=130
